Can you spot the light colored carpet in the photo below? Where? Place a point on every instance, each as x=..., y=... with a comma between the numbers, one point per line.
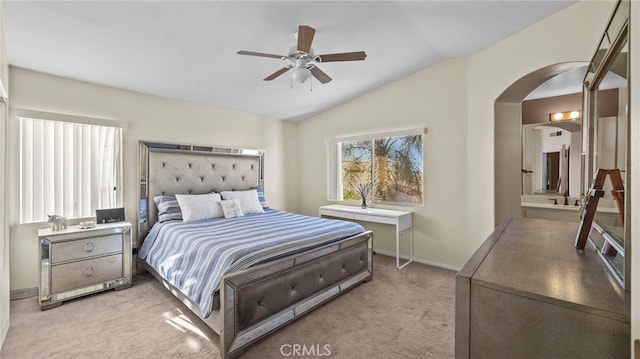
x=406, y=313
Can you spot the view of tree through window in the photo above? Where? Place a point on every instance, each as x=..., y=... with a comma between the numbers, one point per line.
x=390, y=168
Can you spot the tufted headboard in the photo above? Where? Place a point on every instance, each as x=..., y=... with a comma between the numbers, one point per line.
x=188, y=169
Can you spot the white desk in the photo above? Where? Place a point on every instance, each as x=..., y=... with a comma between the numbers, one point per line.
x=401, y=220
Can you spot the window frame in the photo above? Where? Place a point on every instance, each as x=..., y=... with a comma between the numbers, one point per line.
x=334, y=166
x=81, y=120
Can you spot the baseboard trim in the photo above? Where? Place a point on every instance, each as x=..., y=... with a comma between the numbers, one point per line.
x=418, y=260
x=23, y=293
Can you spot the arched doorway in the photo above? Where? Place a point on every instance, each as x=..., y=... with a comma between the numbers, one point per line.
x=507, y=139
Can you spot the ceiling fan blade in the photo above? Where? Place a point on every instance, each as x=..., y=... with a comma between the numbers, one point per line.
x=305, y=37
x=277, y=73
x=344, y=56
x=320, y=75
x=262, y=54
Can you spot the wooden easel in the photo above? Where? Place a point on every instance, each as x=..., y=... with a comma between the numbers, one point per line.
x=592, y=204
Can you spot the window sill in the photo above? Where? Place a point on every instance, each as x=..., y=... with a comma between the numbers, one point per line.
x=383, y=205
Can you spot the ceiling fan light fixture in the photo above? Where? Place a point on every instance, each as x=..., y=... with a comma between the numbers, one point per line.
x=300, y=74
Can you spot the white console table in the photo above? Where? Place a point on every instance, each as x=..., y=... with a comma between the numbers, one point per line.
x=401, y=220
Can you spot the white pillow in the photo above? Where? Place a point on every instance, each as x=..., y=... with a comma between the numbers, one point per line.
x=248, y=200
x=199, y=206
x=231, y=208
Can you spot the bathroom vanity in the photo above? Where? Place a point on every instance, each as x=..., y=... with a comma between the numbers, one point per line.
x=543, y=207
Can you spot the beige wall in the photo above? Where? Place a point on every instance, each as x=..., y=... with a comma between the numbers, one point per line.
x=434, y=98
x=4, y=228
x=556, y=39
x=455, y=100
x=149, y=118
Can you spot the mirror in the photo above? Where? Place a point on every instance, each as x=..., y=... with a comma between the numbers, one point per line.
x=542, y=136
x=610, y=152
x=551, y=145
x=604, y=141
x=549, y=165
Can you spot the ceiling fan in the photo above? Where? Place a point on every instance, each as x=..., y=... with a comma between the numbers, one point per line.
x=303, y=59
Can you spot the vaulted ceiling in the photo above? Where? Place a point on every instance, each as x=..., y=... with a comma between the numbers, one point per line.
x=187, y=49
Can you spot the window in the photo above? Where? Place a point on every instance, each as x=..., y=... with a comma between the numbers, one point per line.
x=67, y=168
x=388, y=167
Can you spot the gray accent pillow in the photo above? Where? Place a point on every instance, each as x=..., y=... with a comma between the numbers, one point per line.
x=168, y=208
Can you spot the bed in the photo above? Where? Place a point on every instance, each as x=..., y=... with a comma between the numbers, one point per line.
x=270, y=268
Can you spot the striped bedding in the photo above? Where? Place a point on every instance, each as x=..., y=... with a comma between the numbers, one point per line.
x=193, y=256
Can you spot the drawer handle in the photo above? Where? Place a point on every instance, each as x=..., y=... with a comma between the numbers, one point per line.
x=88, y=247
x=88, y=272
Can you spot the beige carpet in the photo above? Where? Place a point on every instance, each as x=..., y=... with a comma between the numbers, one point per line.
x=406, y=313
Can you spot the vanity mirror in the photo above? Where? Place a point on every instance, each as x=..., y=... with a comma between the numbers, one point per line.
x=552, y=140
x=551, y=158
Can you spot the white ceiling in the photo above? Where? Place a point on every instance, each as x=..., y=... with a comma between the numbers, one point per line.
x=565, y=83
x=187, y=50
x=571, y=81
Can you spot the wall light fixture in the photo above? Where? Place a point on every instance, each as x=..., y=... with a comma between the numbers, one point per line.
x=565, y=116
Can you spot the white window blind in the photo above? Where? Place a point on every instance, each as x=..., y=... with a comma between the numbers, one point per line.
x=68, y=168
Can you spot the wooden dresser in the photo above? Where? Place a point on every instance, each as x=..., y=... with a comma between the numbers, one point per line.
x=528, y=293
x=76, y=262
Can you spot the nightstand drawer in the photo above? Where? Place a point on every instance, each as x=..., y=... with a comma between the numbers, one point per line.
x=84, y=273
x=84, y=248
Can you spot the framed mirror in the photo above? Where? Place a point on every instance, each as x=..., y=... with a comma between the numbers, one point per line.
x=605, y=146
x=550, y=167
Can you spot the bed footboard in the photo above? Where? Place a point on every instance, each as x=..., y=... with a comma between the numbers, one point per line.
x=257, y=301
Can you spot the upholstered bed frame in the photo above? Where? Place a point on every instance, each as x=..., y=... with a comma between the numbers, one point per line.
x=259, y=300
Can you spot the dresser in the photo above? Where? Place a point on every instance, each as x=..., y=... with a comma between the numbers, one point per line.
x=76, y=261
x=527, y=292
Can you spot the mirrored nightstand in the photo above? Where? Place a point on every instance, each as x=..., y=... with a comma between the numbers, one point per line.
x=76, y=262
